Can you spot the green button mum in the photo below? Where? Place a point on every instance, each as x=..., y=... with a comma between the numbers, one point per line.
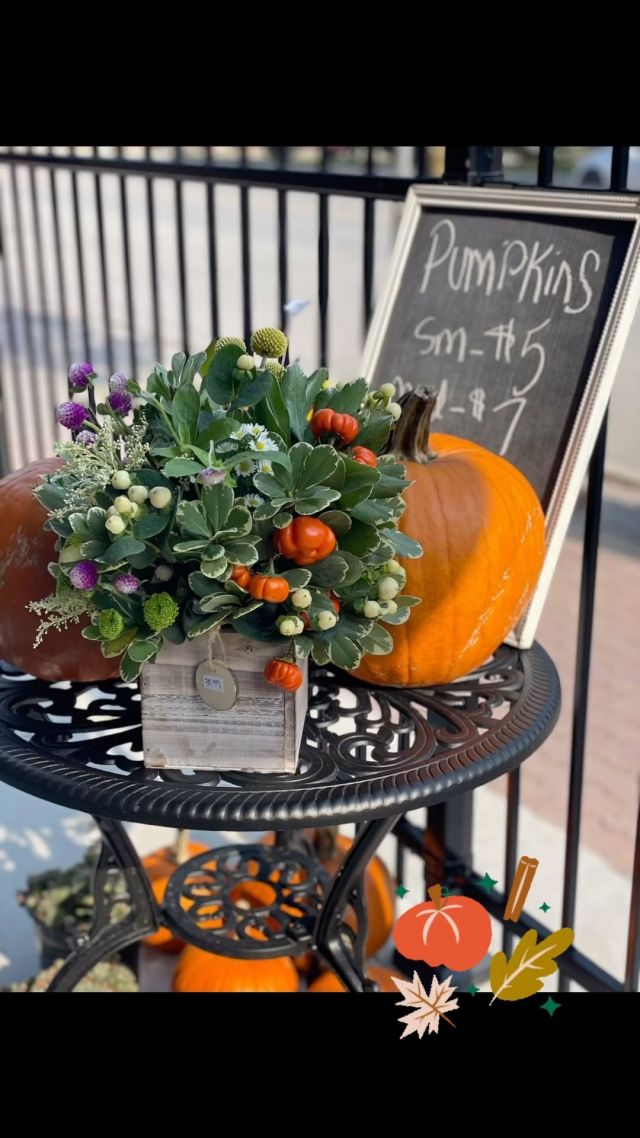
x=160, y=611
x=110, y=624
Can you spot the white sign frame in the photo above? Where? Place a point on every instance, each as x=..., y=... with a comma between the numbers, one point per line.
x=622, y=309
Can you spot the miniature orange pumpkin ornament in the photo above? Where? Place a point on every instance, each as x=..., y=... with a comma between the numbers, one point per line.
x=481, y=527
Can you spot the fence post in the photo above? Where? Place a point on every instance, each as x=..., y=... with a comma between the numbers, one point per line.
x=4, y=448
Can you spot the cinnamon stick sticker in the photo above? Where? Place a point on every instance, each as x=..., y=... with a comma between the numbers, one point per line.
x=522, y=881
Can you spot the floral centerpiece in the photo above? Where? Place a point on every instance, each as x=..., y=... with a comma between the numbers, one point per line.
x=229, y=491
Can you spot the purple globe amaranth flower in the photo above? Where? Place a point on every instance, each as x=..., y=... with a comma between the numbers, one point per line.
x=118, y=382
x=71, y=415
x=120, y=402
x=126, y=583
x=212, y=476
x=79, y=374
x=86, y=438
x=84, y=575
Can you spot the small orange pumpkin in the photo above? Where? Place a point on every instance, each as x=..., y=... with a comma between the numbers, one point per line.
x=25, y=550
x=326, y=421
x=305, y=540
x=328, y=981
x=199, y=971
x=364, y=456
x=481, y=527
x=283, y=674
x=241, y=575
x=274, y=589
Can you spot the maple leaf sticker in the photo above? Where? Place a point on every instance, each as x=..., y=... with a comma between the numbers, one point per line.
x=426, y=1009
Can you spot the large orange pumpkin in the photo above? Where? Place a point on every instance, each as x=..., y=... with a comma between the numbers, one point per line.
x=25, y=550
x=328, y=981
x=199, y=971
x=481, y=527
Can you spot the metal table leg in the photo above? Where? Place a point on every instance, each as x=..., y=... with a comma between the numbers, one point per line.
x=106, y=937
x=341, y=948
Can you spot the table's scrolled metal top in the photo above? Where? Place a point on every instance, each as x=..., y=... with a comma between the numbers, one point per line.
x=367, y=752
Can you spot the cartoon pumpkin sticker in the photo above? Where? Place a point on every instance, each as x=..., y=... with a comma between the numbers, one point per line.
x=451, y=931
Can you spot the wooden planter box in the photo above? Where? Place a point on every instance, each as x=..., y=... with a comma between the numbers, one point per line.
x=261, y=732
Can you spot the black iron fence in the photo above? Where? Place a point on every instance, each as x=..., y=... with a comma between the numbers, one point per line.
x=124, y=258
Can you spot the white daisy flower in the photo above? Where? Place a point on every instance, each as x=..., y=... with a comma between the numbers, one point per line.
x=224, y=448
x=253, y=500
x=257, y=430
x=264, y=466
x=244, y=466
x=261, y=444
x=243, y=429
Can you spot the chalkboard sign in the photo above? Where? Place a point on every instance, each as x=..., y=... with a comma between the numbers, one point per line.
x=514, y=306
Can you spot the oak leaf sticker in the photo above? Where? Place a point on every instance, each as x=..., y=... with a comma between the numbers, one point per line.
x=530, y=961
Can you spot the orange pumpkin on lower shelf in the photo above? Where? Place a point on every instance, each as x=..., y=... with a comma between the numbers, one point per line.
x=481, y=527
x=25, y=551
x=199, y=971
x=328, y=981
x=159, y=867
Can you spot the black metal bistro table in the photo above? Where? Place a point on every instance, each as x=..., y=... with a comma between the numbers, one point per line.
x=368, y=755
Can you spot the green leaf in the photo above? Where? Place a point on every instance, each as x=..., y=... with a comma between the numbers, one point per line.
x=151, y=478
x=282, y=520
x=218, y=502
x=181, y=467
x=158, y=382
x=379, y=511
x=190, y=546
x=177, y=364
x=217, y=432
x=92, y=632
x=216, y=600
x=93, y=549
x=237, y=524
x=376, y=432
x=234, y=588
x=96, y=519
x=130, y=669
x=143, y=649
x=361, y=539
x=121, y=549
x=111, y=648
x=219, y=377
x=269, y=484
x=346, y=399
x=354, y=568
x=303, y=645
x=50, y=496
x=312, y=466
x=208, y=357
x=299, y=394
x=399, y=617
x=207, y=624
x=185, y=410
x=79, y=525
x=247, y=609
x=192, y=519
x=151, y=525
x=378, y=642
x=254, y=390
x=387, y=487
x=358, y=482
x=192, y=367
x=297, y=578
x=404, y=546
x=175, y=634
x=241, y=553
x=312, y=501
x=200, y=585
x=344, y=652
x=330, y=571
x=264, y=511
x=59, y=526
x=143, y=560
x=214, y=569
x=337, y=520
x=320, y=651
x=272, y=413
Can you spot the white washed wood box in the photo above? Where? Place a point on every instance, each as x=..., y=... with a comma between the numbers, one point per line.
x=261, y=732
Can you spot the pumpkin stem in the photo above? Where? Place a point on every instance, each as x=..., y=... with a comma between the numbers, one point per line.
x=181, y=847
x=435, y=895
x=410, y=439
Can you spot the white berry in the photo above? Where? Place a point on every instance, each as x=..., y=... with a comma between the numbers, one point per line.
x=245, y=363
x=138, y=494
x=393, y=567
x=372, y=609
x=388, y=390
x=326, y=620
x=389, y=608
x=160, y=497
x=123, y=505
x=291, y=626
x=395, y=410
x=301, y=598
x=115, y=525
x=121, y=480
x=388, y=588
